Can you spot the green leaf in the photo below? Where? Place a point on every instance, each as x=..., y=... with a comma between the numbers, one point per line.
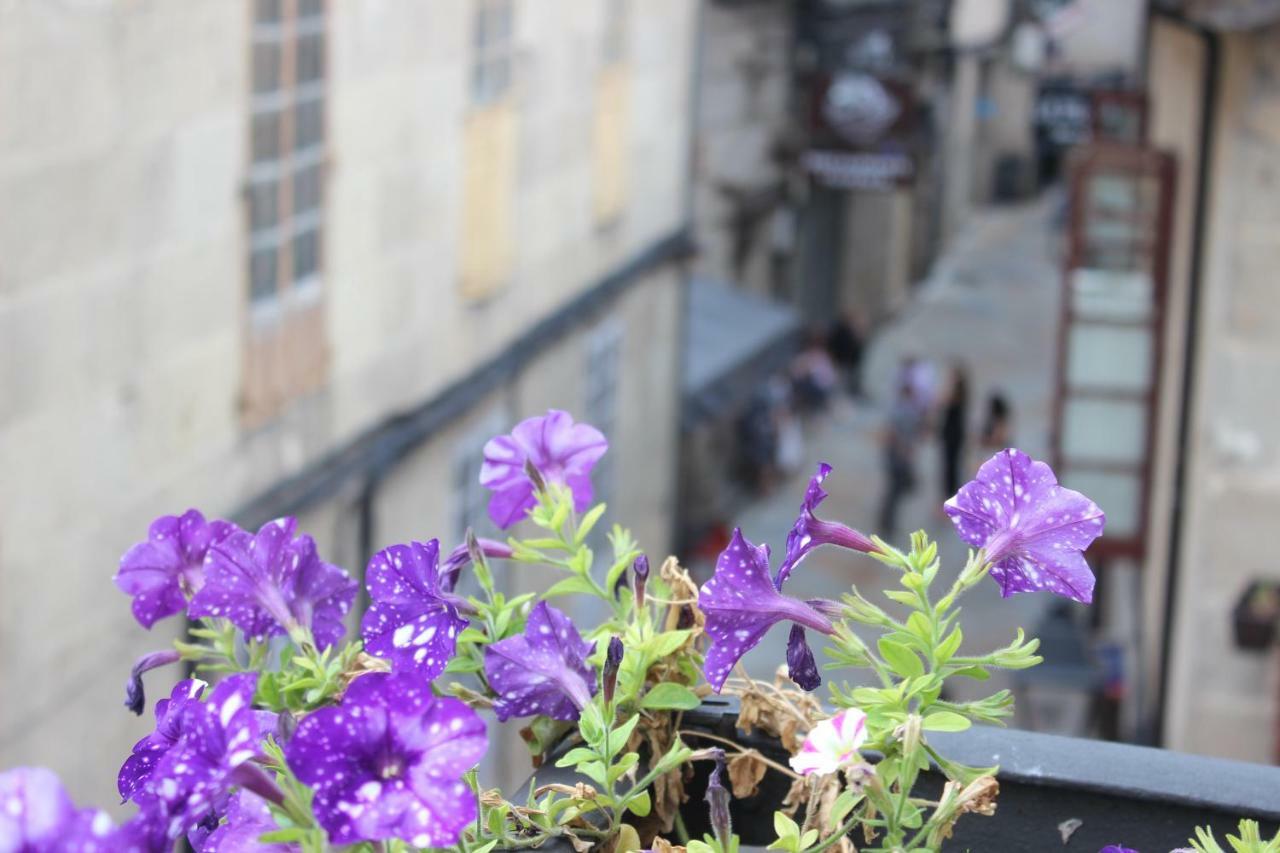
x=950, y=645
x=485, y=848
x=625, y=763
x=618, y=737
x=640, y=804
x=588, y=522
x=292, y=833
x=976, y=672
x=463, y=665
x=665, y=644
x=570, y=586
x=576, y=756
x=842, y=806
x=671, y=697
x=473, y=635
x=901, y=597
x=784, y=826
x=946, y=721
x=901, y=660
x=918, y=624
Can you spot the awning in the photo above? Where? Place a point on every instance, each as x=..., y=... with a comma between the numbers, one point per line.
x=733, y=341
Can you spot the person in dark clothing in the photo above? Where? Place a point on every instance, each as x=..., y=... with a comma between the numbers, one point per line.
x=952, y=429
x=846, y=343
x=901, y=436
x=997, y=429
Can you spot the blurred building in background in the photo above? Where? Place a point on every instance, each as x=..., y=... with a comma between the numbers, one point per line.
x=309, y=256
x=273, y=257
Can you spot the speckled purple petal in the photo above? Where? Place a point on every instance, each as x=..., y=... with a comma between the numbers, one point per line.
x=166, y=569
x=248, y=818
x=146, y=752
x=801, y=667
x=810, y=532
x=192, y=781
x=35, y=811
x=1033, y=529
x=741, y=603
x=388, y=762
x=270, y=583
x=410, y=622
x=563, y=452
x=542, y=672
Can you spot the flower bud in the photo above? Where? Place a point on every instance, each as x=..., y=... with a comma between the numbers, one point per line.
x=718, y=802
x=641, y=569
x=135, y=698
x=535, y=476
x=612, y=660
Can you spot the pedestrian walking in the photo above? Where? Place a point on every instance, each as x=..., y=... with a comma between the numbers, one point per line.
x=901, y=436
x=846, y=344
x=953, y=429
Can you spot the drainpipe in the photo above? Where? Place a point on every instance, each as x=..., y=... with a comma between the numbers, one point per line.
x=677, y=503
x=1208, y=109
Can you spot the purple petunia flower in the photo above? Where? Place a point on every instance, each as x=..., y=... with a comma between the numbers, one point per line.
x=460, y=556
x=741, y=604
x=272, y=583
x=248, y=818
x=544, y=671
x=562, y=452
x=135, y=698
x=163, y=571
x=809, y=531
x=412, y=621
x=388, y=762
x=190, y=784
x=37, y=816
x=138, y=766
x=1032, y=529
x=1116, y=848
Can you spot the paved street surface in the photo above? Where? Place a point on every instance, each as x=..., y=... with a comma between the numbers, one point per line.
x=992, y=302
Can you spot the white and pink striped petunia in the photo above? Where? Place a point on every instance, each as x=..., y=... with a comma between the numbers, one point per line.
x=832, y=744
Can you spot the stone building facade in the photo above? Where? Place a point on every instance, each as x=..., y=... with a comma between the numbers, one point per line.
x=296, y=256
x=1215, y=104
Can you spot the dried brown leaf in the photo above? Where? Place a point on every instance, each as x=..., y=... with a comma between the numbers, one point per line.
x=746, y=769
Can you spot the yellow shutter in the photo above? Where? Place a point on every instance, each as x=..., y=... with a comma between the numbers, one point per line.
x=609, y=143
x=488, y=183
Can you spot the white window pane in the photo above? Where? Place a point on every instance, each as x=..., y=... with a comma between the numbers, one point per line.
x=266, y=137
x=1111, y=295
x=266, y=66
x=1109, y=357
x=1105, y=430
x=264, y=205
x=1117, y=493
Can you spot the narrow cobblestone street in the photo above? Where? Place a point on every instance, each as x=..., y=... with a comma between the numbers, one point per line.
x=1001, y=274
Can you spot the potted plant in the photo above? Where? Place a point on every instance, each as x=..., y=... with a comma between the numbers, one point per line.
x=310, y=743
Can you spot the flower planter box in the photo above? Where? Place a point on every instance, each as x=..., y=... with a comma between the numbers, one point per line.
x=1147, y=799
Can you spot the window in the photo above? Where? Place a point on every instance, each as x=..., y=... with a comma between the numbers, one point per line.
x=286, y=172
x=494, y=49
x=604, y=363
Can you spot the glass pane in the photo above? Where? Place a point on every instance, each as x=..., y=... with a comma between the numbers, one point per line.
x=1112, y=194
x=266, y=136
x=262, y=275
x=1111, y=294
x=267, y=11
x=264, y=205
x=1109, y=357
x=307, y=188
x=310, y=8
x=306, y=254
x=309, y=123
x=1118, y=494
x=1110, y=431
x=310, y=57
x=266, y=66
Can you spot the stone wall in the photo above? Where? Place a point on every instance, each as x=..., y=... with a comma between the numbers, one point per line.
x=1222, y=700
x=123, y=296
